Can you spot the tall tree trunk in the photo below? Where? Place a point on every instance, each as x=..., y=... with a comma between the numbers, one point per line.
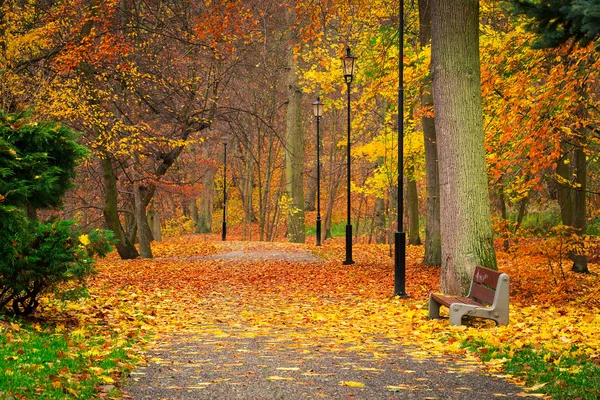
x=465, y=216
x=579, y=217
x=139, y=210
x=205, y=211
x=264, y=189
x=193, y=207
x=380, y=215
x=572, y=195
x=154, y=222
x=311, y=194
x=247, y=186
x=413, y=209
x=125, y=248
x=294, y=155
x=433, y=243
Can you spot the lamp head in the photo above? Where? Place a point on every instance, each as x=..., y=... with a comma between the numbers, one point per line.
x=318, y=108
x=348, y=61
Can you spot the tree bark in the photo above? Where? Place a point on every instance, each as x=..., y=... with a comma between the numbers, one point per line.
x=311, y=192
x=380, y=215
x=433, y=244
x=294, y=155
x=139, y=206
x=413, y=210
x=125, y=248
x=572, y=195
x=205, y=211
x=154, y=222
x=193, y=207
x=579, y=217
x=465, y=216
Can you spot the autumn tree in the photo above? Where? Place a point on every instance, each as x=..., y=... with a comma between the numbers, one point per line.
x=561, y=24
x=465, y=219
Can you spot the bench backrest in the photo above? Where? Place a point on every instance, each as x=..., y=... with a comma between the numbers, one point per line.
x=484, y=284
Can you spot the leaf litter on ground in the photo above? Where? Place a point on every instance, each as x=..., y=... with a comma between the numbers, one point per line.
x=339, y=307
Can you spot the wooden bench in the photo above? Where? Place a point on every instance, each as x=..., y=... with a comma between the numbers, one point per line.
x=487, y=298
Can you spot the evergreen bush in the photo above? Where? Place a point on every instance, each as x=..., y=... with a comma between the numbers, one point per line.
x=37, y=164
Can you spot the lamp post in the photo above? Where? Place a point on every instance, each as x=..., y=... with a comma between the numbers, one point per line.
x=224, y=230
x=348, y=61
x=318, y=111
x=400, y=235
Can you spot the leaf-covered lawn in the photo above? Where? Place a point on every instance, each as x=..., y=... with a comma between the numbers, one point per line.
x=551, y=341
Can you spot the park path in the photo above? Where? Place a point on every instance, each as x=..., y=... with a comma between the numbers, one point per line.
x=227, y=358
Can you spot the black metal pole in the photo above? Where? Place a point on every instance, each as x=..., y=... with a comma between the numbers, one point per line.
x=348, y=260
x=224, y=231
x=318, y=183
x=400, y=235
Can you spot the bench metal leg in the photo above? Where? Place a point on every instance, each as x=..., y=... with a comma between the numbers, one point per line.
x=456, y=316
x=434, y=308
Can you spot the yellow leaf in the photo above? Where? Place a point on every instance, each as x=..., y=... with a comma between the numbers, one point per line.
x=352, y=384
x=279, y=378
x=84, y=239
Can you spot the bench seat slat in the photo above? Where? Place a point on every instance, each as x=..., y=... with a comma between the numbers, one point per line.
x=448, y=300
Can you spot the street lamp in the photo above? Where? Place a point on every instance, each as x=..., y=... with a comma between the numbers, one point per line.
x=400, y=235
x=348, y=61
x=224, y=229
x=318, y=111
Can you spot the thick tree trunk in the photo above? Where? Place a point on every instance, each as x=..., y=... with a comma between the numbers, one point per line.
x=465, y=216
x=433, y=243
x=125, y=248
x=294, y=155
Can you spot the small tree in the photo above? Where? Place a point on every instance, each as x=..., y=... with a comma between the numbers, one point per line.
x=37, y=163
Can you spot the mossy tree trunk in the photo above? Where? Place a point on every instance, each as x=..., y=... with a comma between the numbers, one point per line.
x=294, y=155
x=465, y=216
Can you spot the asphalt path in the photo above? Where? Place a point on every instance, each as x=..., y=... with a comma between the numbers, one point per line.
x=227, y=362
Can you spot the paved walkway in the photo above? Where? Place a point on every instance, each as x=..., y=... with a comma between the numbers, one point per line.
x=227, y=362
x=211, y=367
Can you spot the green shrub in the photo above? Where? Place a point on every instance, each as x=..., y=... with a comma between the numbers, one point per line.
x=37, y=163
x=45, y=256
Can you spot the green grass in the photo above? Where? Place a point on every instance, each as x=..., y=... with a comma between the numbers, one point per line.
x=337, y=230
x=560, y=376
x=58, y=365
x=540, y=222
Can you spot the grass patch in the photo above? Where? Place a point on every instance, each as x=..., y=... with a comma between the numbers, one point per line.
x=337, y=230
x=55, y=363
x=560, y=376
